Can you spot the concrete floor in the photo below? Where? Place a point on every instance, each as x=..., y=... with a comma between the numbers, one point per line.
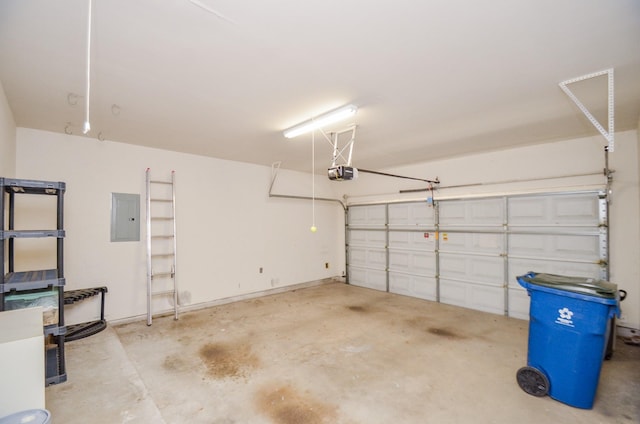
x=327, y=354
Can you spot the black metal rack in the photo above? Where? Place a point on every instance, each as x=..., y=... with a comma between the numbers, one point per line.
x=85, y=329
x=18, y=288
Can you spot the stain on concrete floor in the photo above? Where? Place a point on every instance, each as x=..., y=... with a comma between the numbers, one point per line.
x=358, y=308
x=176, y=363
x=445, y=332
x=430, y=327
x=228, y=360
x=285, y=405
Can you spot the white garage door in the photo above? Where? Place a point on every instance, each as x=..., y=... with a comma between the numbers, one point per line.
x=471, y=254
x=411, y=247
x=468, y=252
x=558, y=234
x=367, y=241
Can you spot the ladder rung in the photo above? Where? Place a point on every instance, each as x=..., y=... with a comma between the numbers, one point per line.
x=162, y=218
x=163, y=293
x=162, y=237
x=158, y=255
x=162, y=274
x=160, y=182
x=162, y=200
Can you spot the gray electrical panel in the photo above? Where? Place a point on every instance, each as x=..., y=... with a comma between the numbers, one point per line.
x=125, y=217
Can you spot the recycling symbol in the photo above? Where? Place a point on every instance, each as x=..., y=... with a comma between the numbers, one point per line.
x=565, y=316
x=565, y=313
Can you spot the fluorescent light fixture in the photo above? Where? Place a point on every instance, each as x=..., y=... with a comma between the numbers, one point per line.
x=323, y=120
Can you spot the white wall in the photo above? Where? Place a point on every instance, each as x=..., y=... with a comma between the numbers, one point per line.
x=571, y=157
x=228, y=227
x=7, y=138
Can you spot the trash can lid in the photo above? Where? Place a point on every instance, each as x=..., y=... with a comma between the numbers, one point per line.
x=31, y=416
x=587, y=286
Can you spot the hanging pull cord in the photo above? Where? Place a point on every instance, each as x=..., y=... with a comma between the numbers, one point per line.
x=87, y=126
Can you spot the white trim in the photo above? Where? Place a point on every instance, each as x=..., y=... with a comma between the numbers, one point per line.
x=224, y=301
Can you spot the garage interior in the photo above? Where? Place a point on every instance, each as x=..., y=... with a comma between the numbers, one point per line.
x=303, y=294
x=333, y=353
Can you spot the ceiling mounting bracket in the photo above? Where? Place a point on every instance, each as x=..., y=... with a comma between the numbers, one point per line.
x=334, y=140
x=609, y=132
x=342, y=171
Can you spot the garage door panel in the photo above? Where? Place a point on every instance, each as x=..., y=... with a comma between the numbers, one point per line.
x=469, y=295
x=570, y=247
x=412, y=285
x=555, y=210
x=575, y=209
x=488, y=299
x=357, y=256
x=374, y=215
x=527, y=210
x=453, y=292
x=482, y=269
x=518, y=303
x=412, y=240
x=369, y=258
x=418, y=263
x=366, y=246
x=411, y=215
x=473, y=242
x=367, y=238
x=533, y=245
x=477, y=212
x=369, y=278
x=577, y=247
x=519, y=267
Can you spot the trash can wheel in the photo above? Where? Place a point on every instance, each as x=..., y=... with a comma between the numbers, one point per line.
x=533, y=381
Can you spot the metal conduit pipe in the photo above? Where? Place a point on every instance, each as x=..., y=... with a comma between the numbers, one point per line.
x=274, y=174
x=325, y=199
x=587, y=188
x=521, y=180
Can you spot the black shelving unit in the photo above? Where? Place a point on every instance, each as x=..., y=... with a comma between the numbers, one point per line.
x=21, y=288
x=85, y=329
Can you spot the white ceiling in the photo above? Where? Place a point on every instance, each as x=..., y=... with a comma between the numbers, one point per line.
x=432, y=78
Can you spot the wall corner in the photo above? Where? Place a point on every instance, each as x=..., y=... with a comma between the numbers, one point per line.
x=7, y=137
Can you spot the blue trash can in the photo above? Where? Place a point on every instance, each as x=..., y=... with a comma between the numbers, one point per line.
x=568, y=334
x=31, y=416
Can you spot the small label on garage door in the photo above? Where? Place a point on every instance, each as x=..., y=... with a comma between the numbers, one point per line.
x=431, y=236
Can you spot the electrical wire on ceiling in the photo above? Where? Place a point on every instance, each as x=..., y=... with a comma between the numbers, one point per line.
x=87, y=126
